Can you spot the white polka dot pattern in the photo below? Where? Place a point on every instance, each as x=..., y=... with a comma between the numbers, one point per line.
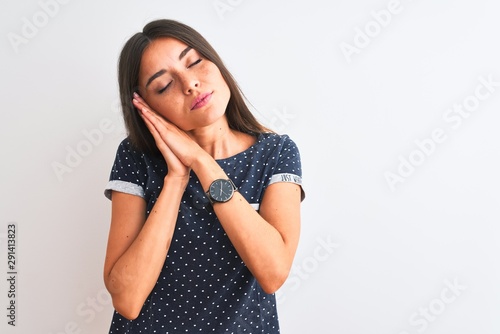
x=204, y=286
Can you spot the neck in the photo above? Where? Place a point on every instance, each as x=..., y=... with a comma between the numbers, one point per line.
x=219, y=140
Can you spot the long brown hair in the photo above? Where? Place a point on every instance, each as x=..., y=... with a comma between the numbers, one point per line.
x=238, y=114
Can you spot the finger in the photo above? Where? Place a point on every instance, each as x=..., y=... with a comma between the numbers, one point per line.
x=146, y=118
x=157, y=126
x=139, y=99
x=140, y=104
x=163, y=147
x=152, y=118
x=157, y=135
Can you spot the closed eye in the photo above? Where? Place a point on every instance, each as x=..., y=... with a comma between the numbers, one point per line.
x=164, y=88
x=195, y=63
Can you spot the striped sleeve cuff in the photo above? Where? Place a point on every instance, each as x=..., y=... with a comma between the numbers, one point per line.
x=291, y=178
x=286, y=177
x=123, y=187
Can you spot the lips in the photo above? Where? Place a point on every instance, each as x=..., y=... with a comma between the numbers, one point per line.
x=201, y=101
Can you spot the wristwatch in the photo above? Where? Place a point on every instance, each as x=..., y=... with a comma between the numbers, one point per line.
x=221, y=191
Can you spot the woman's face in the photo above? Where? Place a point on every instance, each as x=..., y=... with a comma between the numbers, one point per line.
x=181, y=85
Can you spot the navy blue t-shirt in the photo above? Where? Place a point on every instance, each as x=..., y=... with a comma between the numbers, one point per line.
x=204, y=286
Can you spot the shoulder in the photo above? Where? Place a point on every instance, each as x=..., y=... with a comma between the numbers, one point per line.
x=128, y=158
x=126, y=145
x=127, y=149
x=275, y=139
x=278, y=143
x=279, y=153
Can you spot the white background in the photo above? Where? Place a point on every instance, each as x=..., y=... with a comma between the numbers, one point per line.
x=420, y=256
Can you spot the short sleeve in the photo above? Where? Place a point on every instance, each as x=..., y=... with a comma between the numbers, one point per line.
x=288, y=167
x=128, y=174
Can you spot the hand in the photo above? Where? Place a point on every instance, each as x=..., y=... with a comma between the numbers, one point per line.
x=162, y=132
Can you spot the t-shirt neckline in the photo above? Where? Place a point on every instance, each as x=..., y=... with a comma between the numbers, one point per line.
x=260, y=137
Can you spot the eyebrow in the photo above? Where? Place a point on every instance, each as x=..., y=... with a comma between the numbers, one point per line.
x=154, y=76
x=184, y=52
x=161, y=72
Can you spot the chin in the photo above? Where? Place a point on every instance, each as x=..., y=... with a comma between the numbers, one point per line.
x=210, y=118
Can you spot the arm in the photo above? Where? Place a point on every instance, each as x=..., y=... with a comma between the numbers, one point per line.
x=266, y=242
x=137, y=247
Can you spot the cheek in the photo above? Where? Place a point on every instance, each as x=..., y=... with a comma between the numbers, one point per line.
x=156, y=104
x=221, y=84
x=212, y=71
x=163, y=106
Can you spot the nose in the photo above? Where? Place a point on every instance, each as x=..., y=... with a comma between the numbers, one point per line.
x=190, y=83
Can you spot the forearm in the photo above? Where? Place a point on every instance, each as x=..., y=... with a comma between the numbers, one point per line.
x=259, y=244
x=134, y=275
x=266, y=252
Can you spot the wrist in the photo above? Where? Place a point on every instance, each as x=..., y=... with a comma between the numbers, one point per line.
x=179, y=181
x=207, y=169
x=204, y=163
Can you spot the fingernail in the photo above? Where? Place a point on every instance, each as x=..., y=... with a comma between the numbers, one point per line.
x=136, y=95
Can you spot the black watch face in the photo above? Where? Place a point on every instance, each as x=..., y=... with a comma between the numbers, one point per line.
x=221, y=190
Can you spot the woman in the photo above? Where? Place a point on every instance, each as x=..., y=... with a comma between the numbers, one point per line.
x=205, y=200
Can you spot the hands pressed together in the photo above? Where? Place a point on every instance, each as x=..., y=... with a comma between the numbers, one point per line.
x=178, y=149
